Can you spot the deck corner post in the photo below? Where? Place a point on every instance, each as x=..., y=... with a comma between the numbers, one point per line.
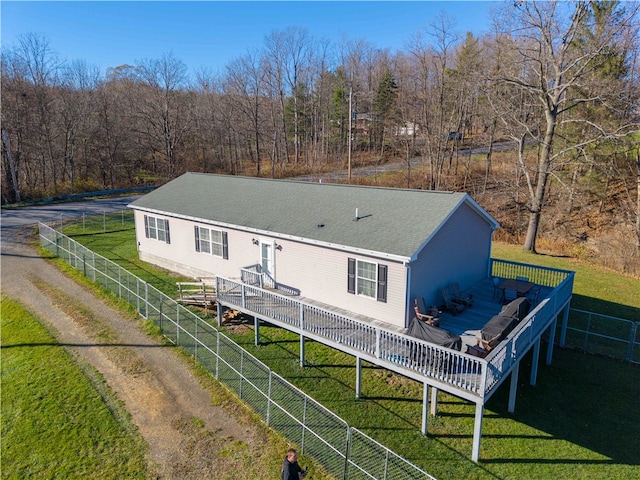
x=434, y=401
x=219, y=313
x=477, y=432
x=513, y=388
x=534, y=362
x=565, y=324
x=301, y=350
x=256, y=331
x=552, y=340
x=425, y=409
x=358, y=377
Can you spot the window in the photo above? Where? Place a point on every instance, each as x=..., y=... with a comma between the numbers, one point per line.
x=367, y=279
x=157, y=228
x=211, y=241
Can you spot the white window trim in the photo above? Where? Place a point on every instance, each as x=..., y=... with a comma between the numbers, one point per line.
x=211, y=242
x=153, y=232
x=374, y=280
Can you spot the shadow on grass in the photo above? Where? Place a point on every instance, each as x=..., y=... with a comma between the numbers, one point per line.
x=74, y=345
x=590, y=304
x=587, y=400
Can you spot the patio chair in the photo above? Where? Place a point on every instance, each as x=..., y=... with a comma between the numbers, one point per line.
x=449, y=304
x=490, y=344
x=430, y=315
x=533, y=294
x=459, y=297
x=496, y=289
x=509, y=295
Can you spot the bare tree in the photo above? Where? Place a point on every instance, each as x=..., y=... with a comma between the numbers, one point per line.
x=560, y=73
x=245, y=83
x=164, y=107
x=76, y=102
x=438, y=116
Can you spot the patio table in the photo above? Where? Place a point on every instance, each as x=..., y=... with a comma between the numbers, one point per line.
x=522, y=287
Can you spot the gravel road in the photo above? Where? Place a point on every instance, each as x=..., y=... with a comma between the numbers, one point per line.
x=160, y=393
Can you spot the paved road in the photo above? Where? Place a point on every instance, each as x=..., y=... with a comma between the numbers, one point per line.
x=12, y=220
x=396, y=166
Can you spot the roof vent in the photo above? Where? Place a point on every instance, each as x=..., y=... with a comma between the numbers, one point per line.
x=357, y=214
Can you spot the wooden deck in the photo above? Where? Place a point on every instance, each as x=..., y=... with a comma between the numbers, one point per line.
x=438, y=368
x=469, y=322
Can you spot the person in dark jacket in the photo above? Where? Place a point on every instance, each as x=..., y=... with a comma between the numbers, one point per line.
x=290, y=468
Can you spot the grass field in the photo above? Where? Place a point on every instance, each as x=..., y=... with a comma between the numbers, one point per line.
x=580, y=421
x=59, y=420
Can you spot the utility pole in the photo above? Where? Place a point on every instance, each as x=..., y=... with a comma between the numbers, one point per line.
x=350, y=131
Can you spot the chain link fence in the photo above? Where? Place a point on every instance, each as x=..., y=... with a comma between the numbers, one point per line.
x=587, y=331
x=343, y=451
x=605, y=335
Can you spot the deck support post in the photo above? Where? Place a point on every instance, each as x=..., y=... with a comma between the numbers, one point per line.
x=358, y=377
x=565, y=321
x=219, y=312
x=477, y=432
x=534, y=362
x=434, y=401
x=256, y=331
x=513, y=388
x=425, y=408
x=552, y=336
x=301, y=350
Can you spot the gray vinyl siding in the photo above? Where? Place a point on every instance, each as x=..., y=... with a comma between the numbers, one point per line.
x=181, y=255
x=318, y=273
x=458, y=252
x=321, y=274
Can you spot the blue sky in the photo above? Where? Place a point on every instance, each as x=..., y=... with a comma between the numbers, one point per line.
x=210, y=34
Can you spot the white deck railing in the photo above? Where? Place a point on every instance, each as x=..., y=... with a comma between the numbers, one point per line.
x=409, y=355
x=403, y=353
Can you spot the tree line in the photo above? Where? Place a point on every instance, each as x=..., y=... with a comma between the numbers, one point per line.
x=560, y=80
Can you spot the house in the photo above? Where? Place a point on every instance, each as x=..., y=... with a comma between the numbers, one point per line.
x=342, y=264
x=407, y=129
x=365, y=250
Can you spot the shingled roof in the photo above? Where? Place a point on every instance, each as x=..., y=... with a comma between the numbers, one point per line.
x=391, y=221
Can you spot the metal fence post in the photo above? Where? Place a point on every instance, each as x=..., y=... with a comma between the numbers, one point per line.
x=177, y=324
x=587, y=331
x=241, y=372
x=632, y=341
x=269, y=398
x=146, y=299
x=347, y=448
x=304, y=423
x=217, y=354
x=386, y=465
x=195, y=347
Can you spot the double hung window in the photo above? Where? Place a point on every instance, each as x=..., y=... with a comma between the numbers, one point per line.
x=367, y=279
x=209, y=240
x=157, y=228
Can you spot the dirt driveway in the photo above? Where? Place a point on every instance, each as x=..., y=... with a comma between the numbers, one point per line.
x=185, y=431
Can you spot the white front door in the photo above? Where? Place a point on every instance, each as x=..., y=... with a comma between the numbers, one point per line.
x=267, y=263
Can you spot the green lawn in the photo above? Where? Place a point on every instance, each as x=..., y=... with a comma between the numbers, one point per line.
x=59, y=421
x=594, y=289
x=580, y=421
